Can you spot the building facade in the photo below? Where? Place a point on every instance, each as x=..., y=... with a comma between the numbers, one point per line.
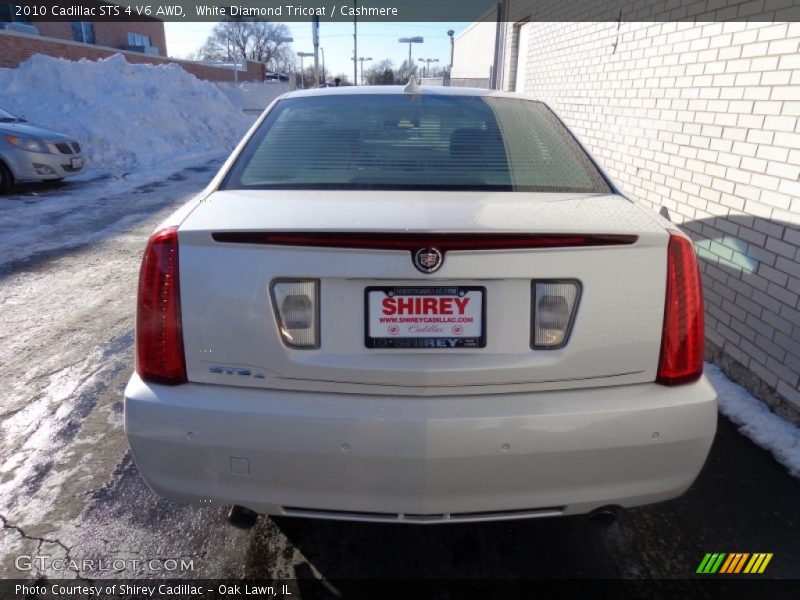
x=146, y=37
x=700, y=121
x=471, y=60
x=138, y=42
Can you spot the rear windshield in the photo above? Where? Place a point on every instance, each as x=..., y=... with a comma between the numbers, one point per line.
x=405, y=142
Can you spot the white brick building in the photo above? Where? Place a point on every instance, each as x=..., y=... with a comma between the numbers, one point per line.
x=473, y=55
x=702, y=121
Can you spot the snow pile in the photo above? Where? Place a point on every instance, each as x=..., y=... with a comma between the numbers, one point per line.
x=127, y=117
x=755, y=420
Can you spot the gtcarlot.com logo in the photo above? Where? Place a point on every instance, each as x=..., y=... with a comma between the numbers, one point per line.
x=734, y=563
x=27, y=562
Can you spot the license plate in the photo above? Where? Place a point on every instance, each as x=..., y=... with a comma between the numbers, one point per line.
x=425, y=317
x=77, y=163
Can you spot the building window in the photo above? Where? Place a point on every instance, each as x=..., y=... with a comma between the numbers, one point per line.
x=83, y=32
x=137, y=39
x=8, y=14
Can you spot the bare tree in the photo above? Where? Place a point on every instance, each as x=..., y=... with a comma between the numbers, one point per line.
x=403, y=73
x=260, y=41
x=285, y=62
x=434, y=71
x=381, y=73
x=305, y=78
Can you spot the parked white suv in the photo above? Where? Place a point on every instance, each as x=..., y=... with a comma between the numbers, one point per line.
x=417, y=305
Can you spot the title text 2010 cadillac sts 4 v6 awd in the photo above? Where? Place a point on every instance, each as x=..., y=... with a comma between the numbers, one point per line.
x=417, y=305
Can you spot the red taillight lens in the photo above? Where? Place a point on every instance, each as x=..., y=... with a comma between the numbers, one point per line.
x=159, y=338
x=683, y=337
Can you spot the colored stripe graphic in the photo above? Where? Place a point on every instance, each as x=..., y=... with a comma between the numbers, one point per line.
x=740, y=563
x=758, y=563
x=711, y=562
x=703, y=563
x=717, y=563
x=733, y=563
x=727, y=564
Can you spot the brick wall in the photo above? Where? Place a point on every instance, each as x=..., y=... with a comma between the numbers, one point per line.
x=16, y=47
x=113, y=35
x=703, y=120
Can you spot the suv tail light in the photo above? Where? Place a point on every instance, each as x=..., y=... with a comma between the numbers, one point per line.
x=682, y=340
x=159, y=337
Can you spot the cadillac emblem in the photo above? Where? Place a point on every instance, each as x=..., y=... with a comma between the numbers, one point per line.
x=428, y=260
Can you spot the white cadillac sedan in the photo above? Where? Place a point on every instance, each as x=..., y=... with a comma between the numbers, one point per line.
x=417, y=305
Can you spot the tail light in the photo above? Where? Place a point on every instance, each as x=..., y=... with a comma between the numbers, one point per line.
x=296, y=309
x=159, y=337
x=554, y=304
x=682, y=340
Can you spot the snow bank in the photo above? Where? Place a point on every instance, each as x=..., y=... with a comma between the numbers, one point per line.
x=755, y=420
x=128, y=117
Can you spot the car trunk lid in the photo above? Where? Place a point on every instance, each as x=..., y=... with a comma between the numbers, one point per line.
x=235, y=245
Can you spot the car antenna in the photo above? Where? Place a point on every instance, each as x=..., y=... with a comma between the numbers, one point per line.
x=412, y=87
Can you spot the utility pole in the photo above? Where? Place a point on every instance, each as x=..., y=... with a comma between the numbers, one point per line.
x=355, y=45
x=315, y=34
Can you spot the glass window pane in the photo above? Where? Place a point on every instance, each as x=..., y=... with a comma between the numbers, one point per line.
x=399, y=141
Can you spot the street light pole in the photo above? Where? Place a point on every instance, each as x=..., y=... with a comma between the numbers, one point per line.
x=278, y=41
x=361, y=59
x=409, y=41
x=451, y=33
x=427, y=66
x=303, y=55
x=232, y=56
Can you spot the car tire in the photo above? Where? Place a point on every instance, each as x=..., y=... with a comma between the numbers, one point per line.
x=6, y=178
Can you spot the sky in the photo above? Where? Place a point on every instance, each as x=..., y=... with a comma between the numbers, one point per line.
x=376, y=40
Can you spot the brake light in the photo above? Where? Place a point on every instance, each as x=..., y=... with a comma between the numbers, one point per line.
x=414, y=241
x=683, y=337
x=159, y=337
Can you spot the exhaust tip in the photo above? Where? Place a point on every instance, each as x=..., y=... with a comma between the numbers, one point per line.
x=241, y=517
x=606, y=515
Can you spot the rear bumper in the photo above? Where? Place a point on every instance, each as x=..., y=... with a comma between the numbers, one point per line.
x=414, y=459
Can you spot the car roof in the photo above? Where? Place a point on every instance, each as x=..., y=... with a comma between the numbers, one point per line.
x=397, y=90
